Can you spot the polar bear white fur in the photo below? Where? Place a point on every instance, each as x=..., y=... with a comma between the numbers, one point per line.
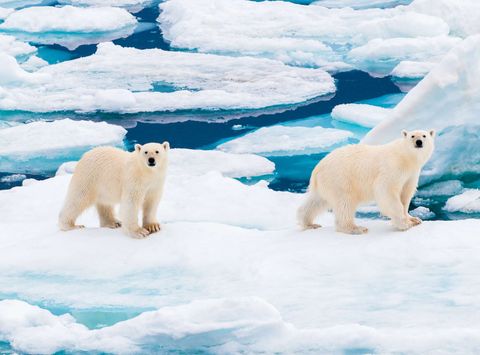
x=355, y=174
x=107, y=176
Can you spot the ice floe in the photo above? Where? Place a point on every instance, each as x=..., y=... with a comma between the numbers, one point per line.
x=287, y=140
x=373, y=39
x=131, y=5
x=448, y=100
x=220, y=274
x=361, y=4
x=39, y=146
x=467, y=202
x=121, y=79
x=4, y=12
x=360, y=114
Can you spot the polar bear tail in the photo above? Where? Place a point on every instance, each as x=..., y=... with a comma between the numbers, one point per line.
x=310, y=209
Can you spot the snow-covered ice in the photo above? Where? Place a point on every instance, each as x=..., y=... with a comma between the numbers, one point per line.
x=131, y=5
x=37, y=146
x=372, y=39
x=231, y=272
x=287, y=140
x=120, y=79
x=11, y=46
x=467, y=202
x=360, y=114
x=361, y=4
x=68, y=19
x=447, y=100
x=407, y=69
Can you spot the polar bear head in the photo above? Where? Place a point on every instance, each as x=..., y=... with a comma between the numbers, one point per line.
x=421, y=143
x=153, y=155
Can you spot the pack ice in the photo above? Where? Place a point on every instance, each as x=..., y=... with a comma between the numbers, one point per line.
x=373, y=39
x=118, y=79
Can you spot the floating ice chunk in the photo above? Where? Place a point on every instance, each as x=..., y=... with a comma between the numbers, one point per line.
x=13, y=178
x=381, y=56
x=463, y=17
x=422, y=213
x=407, y=69
x=448, y=100
x=11, y=46
x=361, y=4
x=68, y=19
x=290, y=32
x=442, y=188
x=283, y=140
x=52, y=140
x=123, y=79
x=360, y=114
x=131, y=5
x=467, y=202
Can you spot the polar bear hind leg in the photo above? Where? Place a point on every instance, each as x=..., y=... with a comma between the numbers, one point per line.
x=344, y=211
x=310, y=209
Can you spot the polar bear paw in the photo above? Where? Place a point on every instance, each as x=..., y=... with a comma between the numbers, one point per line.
x=152, y=227
x=311, y=226
x=139, y=233
x=356, y=230
x=113, y=224
x=415, y=221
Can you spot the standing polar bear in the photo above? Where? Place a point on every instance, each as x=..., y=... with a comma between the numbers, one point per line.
x=361, y=173
x=106, y=176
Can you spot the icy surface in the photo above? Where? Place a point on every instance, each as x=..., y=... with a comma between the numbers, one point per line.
x=4, y=12
x=422, y=213
x=467, y=202
x=361, y=4
x=447, y=100
x=131, y=5
x=122, y=80
x=283, y=140
x=412, y=70
x=39, y=146
x=372, y=39
x=218, y=270
x=11, y=46
x=360, y=114
x=68, y=19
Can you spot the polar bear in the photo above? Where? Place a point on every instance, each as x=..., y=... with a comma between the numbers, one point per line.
x=355, y=174
x=106, y=176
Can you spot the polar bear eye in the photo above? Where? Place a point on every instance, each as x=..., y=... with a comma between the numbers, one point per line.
x=146, y=152
x=424, y=136
x=156, y=151
x=413, y=136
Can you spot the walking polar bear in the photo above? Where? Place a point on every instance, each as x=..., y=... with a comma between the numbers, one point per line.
x=361, y=173
x=106, y=176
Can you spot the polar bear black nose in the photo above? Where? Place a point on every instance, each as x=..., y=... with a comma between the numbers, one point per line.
x=151, y=161
x=419, y=143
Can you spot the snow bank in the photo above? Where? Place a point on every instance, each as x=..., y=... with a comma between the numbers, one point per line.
x=68, y=19
x=448, y=100
x=283, y=140
x=360, y=114
x=121, y=79
x=373, y=39
x=467, y=202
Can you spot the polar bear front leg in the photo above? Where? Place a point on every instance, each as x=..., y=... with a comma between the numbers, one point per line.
x=388, y=199
x=406, y=196
x=150, y=206
x=129, y=209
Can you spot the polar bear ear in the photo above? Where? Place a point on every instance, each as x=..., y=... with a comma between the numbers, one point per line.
x=432, y=133
x=405, y=133
x=166, y=145
x=138, y=147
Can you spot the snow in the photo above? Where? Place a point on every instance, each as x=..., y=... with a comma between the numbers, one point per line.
x=11, y=46
x=68, y=19
x=467, y=202
x=283, y=140
x=422, y=213
x=4, y=12
x=120, y=79
x=448, y=100
x=360, y=114
x=11, y=74
x=231, y=272
x=131, y=5
x=370, y=39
